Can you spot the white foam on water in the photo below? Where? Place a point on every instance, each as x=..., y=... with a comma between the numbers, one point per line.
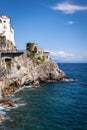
x=30, y=86
x=67, y=80
x=2, y=110
x=19, y=90
x=21, y=104
x=24, y=87
x=16, y=99
x=10, y=108
x=19, y=101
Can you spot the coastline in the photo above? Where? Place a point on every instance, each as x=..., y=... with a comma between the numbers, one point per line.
x=29, y=73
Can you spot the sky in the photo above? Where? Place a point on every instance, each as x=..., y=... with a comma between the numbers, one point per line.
x=58, y=26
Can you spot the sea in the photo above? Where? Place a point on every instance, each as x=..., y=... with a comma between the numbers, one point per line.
x=52, y=106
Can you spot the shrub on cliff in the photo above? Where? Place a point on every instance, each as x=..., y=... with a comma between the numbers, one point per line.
x=8, y=63
x=41, y=59
x=31, y=47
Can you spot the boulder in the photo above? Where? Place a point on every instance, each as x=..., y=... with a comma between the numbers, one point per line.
x=49, y=71
x=36, y=84
x=1, y=117
x=8, y=103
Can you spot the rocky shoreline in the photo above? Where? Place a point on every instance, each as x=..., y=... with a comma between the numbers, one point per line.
x=28, y=73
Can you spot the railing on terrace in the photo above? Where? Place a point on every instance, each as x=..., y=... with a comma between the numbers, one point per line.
x=11, y=54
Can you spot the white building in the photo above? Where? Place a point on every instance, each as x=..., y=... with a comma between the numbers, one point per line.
x=6, y=29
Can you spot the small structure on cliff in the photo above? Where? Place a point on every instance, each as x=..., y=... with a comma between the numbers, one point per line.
x=33, y=49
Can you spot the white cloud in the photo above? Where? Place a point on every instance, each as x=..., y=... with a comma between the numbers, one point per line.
x=68, y=8
x=70, y=22
x=61, y=54
x=69, y=57
x=46, y=51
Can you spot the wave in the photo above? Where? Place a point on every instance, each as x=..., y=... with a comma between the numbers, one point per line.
x=2, y=111
x=21, y=88
x=30, y=86
x=21, y=104
x=70, y=79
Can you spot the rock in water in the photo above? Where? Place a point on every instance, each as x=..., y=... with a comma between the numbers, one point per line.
x=36, y=84
x=1, y=117
x=49, y=70
x=8, y=103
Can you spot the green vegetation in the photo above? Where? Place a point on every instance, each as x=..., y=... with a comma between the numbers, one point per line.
x=8, y=63
x=32, y=50
x=41, y=59
x=29, y=47
x=32, y=53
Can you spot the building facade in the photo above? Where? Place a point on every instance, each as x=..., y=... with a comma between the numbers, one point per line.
x=6, y=28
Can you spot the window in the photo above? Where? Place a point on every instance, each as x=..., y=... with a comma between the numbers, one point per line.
x=4, y=21
x=0, y=21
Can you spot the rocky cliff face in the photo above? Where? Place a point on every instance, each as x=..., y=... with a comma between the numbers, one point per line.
x=6, y=45
x=21, y=71
x=49, y=71
x=24, y=70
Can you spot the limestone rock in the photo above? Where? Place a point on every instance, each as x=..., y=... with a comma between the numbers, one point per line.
x=30, y=72
x=1, y=117
x=49, y=71
x=8, y=103
x=36, y=84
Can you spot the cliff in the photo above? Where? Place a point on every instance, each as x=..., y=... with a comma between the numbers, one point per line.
x=23, y=70
x=19, y=68
x=28, y=68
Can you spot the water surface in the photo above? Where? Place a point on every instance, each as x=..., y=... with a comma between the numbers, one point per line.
x=53, y=106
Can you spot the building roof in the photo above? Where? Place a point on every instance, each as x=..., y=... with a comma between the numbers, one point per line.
x=46, y=52
x=4, y=17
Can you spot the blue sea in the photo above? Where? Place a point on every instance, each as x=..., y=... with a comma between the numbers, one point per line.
x=52, y=106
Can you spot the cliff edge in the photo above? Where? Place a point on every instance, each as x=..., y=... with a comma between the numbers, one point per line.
x=23, y=70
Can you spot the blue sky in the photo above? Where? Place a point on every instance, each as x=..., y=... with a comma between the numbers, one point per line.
x=59, y=26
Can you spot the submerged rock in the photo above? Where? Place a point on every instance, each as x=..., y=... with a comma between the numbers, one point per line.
x=69, y=79
x=8, y=103
x=36, y=84
x=1, y=117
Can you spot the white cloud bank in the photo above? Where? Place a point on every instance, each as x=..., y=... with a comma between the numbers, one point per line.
x=61, y=54
x=68, y=8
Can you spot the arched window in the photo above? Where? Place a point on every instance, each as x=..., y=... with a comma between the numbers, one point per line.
x=0, y=21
